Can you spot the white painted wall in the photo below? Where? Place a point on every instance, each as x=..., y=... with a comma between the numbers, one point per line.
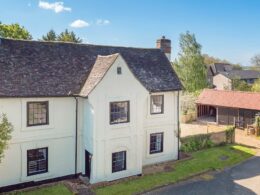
x=58, y=136
x=221, y=82
x=133, y=136
x=95, y=133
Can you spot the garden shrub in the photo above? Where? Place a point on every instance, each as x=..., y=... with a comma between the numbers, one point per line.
x=196, y=142
x=230, y=134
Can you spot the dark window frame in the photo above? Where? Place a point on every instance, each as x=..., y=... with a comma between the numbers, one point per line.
x=47, y=162
x=125, y=160
x=155, y=134
x=128, y=112
x=47, y=113
x=151, y=105
x=119, y=70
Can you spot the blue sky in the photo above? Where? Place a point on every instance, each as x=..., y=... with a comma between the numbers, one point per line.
x=228, y=29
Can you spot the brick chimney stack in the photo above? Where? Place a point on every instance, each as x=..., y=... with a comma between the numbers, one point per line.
x=165, y=45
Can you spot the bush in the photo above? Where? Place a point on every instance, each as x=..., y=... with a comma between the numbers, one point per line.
x=230, y=133
x=196, y=142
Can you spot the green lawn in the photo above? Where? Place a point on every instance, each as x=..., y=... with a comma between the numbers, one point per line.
x=204, y=160
x=58, y=189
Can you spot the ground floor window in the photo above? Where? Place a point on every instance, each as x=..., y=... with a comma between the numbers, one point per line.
x=118, y=161
x=156, y=143
x=37, y=161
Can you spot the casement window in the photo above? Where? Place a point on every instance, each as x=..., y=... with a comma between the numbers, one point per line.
x=37, y=161
x=157, y=104
x=156, y=143
x=118, y=161
x=37, y=113
x=119, y=112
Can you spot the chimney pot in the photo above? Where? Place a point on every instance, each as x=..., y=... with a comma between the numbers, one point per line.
x=165, y=45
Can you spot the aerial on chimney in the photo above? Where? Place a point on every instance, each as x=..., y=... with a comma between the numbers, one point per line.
x=165, y=45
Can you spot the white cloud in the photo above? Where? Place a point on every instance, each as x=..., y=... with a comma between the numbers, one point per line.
x=57, y=7
x=79, y=24
x=102, y=22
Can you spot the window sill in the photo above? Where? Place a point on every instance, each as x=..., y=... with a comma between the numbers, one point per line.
x=37, y=127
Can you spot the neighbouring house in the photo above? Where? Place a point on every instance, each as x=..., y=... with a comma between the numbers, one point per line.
x=100, y=111
x=215, y=68
x=222, y=75
x=228, y=107
x=225, y=80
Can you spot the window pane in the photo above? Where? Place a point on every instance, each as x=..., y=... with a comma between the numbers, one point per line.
x=156, y=104
x=37, y=113
x=119, y=112
x=37, y=161
x=156, y=143
x=119, y=161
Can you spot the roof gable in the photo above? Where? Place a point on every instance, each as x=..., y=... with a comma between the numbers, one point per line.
x=34, y=68
x=100, y=68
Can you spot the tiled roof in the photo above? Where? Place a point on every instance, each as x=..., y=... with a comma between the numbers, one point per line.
x=220, y=67
x=34, y=68
x=241, y=74
x=232, y=99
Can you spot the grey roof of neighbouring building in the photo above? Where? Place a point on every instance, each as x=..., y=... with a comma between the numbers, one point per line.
x=241, y=74
x=220, y=67
x=34, y=68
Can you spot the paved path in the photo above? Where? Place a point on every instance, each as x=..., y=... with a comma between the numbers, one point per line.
x=243, y=179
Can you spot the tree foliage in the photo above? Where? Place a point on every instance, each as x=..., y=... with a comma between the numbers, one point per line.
x=66, y=36
x=256, y=86
x=50, y=36
x=255, y=61
x=69, y=36
x=240, y=85
x=210, y=60
x=190, y=65
x=5, y=134
x=14, y=31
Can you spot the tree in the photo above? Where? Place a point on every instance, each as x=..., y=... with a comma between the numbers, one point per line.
x=14, y=31
x=240, y=85
x=68, y=36
x=50, y=36
x=5, y=134
x=255, y=61
x=190, y=65
x=210, y=60
x=256, y=86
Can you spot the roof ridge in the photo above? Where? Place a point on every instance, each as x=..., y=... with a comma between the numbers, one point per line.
x=231, y=91
x=72, y=43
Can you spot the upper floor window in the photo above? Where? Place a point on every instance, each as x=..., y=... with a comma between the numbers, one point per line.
x=156, y=143
x=37, y=113
x=157, y=104
x=118, y=161
x=119, y=112
x=37, y=161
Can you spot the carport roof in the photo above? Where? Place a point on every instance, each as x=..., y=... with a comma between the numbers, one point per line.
x=231, y=99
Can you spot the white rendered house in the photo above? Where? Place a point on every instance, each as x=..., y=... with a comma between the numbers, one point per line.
x=100, y=111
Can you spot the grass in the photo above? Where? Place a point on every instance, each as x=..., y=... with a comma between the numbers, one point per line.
x=52, y=190
x=204, y=160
